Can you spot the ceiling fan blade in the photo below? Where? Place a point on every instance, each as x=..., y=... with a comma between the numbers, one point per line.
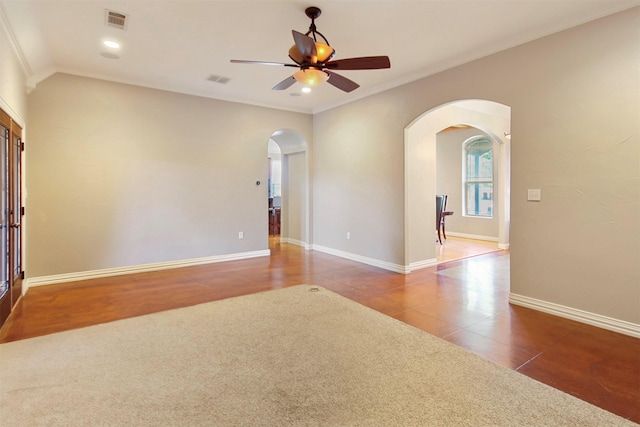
x=285, y=84
x=278, y=64
x=363, y=63
x=306, y=46
x=341, y=82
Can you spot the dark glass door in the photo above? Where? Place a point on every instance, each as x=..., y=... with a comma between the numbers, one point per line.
x=15, y=217
x=11, y=213
x=5, y=289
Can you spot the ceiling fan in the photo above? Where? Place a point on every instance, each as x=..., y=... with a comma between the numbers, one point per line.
x=312, y=54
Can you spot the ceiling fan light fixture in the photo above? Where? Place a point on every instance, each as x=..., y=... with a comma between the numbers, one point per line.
x=324, y=52
x=311, y=77
x=313, y=54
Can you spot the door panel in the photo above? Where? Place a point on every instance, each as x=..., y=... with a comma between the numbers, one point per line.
x=5, y=291
x=11, y=212
x=15, y=218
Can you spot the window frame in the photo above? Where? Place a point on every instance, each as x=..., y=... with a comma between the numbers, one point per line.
x=467, y=180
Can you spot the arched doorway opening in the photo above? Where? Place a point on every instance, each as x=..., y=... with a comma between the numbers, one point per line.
x=293, y=191
x=275, y=190
x=493, y=119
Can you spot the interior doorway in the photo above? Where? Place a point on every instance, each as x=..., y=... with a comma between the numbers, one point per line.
x=293, y=192
x=275, y=189
x=466, y=162
x=492, y=119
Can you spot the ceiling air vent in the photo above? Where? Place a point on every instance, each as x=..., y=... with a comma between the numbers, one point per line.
x=219, y=79
x=115, y=19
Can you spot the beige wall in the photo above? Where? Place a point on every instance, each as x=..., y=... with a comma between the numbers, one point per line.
x=576, y=136
x=294, y=197
x=122, y=175
x=358, y=178
x=574, y=99
x=13, y=95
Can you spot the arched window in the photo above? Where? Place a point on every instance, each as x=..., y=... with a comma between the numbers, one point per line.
x=478, y=177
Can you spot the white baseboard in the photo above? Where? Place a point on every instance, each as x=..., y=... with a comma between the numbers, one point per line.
x=422, y=264
x=472, y=236
x=592, y=319
x=296, y=242
x=479, y=237
x=141, y=268
x=363, y=259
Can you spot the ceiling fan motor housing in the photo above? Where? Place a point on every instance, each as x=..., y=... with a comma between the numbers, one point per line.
x=313, y=12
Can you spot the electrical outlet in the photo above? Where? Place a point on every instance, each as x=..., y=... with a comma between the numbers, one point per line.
x=348, y=235
x=241, y=235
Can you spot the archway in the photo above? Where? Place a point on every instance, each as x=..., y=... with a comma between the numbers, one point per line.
x=492, y=118
x=295, y=220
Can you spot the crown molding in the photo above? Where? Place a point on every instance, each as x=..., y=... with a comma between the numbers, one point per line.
x=22, y=60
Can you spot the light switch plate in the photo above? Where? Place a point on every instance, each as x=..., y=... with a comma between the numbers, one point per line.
x=533, y=194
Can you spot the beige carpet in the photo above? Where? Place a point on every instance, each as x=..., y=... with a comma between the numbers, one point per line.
x=290, y=357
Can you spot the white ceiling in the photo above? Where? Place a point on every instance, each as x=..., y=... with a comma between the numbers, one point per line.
x=176, y=45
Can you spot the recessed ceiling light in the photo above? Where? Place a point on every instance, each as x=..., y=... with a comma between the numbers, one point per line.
x=306, y=89
x=111, y=44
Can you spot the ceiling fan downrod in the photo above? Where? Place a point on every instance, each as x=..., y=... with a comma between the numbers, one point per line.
x=313, y=13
